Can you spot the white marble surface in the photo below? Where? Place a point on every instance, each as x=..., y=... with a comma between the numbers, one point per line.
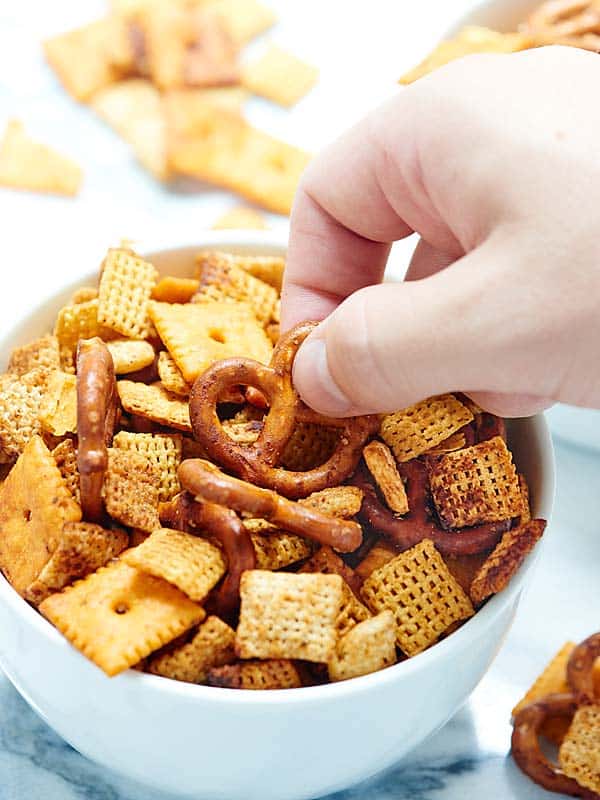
x=361, y=49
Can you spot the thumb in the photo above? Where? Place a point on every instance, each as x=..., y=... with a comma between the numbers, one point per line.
x=463, y=329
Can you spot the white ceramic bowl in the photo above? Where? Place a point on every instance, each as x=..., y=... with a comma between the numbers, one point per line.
x=577, y=426
x=225, y=744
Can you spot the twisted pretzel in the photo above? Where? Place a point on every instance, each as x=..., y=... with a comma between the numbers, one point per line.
x=418, y=524
x=257, y=462
x=580, y=670
x=97, y=409
x=526, y=747
x=186, y=514
x=202, y=479
x=575, y=23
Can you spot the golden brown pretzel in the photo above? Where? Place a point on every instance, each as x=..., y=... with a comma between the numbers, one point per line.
x=580, y=670
x=186, y=514
x=565, y=18
x=526, y=748
x=258, y=462
x=202, y=479
x=97, y=409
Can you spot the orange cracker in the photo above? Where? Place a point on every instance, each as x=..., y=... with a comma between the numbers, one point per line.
x=89, y=58
x=58, y=408
x=280, y=76
x=125, y=288
x=220, y=279
x=285, y=615
x=382, y=466
x=189, y=562
x=175, y=290
x=578, y=754
x=553, y=680
x=131, y=490
x=79, y=321
x=129, y=355
x=25, y=164
x=65, y=456
x=20, y=399
x=415, y=430
x=220, y=147
x=274, y=673
x=499, y=567
x=211, y=646
x=367, y=647
x=197, y=335
x=83, y=548
x=171, y=376
x=477, y=484
x=155, y=403
x=42, y=353
x=118, y=615
x=245, y=19
x=422, y=593
x=35, y=503
x=240, y=218
x=162, y=450
x=310, y=445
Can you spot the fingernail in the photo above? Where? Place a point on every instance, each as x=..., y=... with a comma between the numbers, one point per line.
x=314, y=381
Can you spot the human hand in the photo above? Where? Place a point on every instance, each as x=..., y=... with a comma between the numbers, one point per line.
x=493, y=160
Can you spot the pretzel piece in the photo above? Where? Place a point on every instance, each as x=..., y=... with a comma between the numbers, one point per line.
x=97, y=410
x=257, y=462
x=204, y=480
x=580, y=670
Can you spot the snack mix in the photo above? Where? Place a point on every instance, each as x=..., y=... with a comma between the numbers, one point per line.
x=170, y=504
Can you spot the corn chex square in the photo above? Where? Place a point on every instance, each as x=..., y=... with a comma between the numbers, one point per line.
x=352, y=612
x=211, y=646
x=415, y=430
x=421, y=592
x=327, y=561
x=171, y=377
x=277, y=673
x=192, y=564
x=162, y=450
x=119, y=615
x=269, y=269
x=382, y=466
x=43, y=352
x=79, y=321
x=579, y=754
x=131, y=490
x=275, y=548
x=280, y=76
x=310, y=445
x=285, y=615
x=20, y=400
x=475, y=485
x=198, y=334
x=126, y=284
x=154, y=402
x=369, y=646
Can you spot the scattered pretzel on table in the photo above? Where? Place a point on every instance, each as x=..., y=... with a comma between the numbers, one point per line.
x=202, y=479
x=97, y=410
x=258, y=462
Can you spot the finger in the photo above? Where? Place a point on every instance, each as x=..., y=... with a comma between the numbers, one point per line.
x=511, y=405
x=427, y=260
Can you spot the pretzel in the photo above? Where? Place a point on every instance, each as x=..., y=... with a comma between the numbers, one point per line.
x=419, y=524
x=97, y=410
x=526, y=748
x=257, y=462
x=186, y=514
x=487, y=426
x=204, y=480
x=580, y=670
x=564, y=19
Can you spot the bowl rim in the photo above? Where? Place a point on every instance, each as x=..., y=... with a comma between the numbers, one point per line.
x=273, y=240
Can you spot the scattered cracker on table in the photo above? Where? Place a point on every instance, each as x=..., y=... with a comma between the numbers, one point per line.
x=175, y=290
x=240, y=218
x=58, y=408
x=155, y=403
x=211, y=646
x=20, y=400
x=130, y=355
x=367, y=647
x=162, y=450
x=124, y=294
x=26, y=164
x=285, y=615
x=500, y=566
x=197, y=335
x=382, y=466
x=43, y=353
x=189, y=562
x=415, y=430
x=424, y=596
x=475, y=485
x=131, y=490
x=65, y=456
x=171, y=376
x=277, y=673
x=35, y=503
x=83, y=548
x=280, y=76
x=119, y=615
x=579, y=753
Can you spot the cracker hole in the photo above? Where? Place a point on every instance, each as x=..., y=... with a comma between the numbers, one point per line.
x=27, y=514
x=216, y=335
x=121, y=608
